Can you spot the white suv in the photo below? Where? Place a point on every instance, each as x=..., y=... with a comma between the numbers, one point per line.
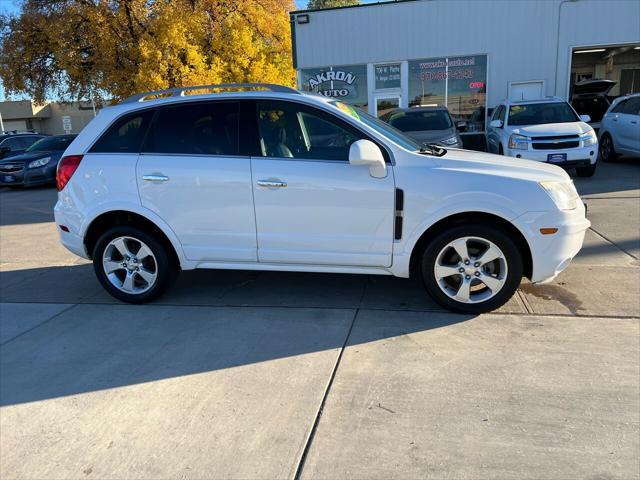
x=274, y=179
x=547, y=130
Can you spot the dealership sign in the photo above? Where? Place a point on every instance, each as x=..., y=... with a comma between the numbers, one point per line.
x=332, y=83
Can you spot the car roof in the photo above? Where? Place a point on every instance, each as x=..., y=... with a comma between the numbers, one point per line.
x=129, y=105
x=535, y=101
x=430, y=108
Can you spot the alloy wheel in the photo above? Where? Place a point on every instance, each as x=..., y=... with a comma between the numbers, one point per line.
x=470, y=269
x=130, y=265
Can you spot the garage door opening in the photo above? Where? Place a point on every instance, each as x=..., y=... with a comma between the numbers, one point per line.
x=600, y=74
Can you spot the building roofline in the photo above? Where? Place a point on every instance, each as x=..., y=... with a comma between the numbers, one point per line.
x=360, y=5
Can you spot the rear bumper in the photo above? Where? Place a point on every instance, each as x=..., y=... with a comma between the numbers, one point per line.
x=72, y=242
x=551, y=254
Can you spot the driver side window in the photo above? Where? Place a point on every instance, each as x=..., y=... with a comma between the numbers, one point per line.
x=292, y=130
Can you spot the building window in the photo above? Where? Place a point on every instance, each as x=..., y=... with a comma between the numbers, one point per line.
x=459, y=83
x=347, y=83
x=387, y=76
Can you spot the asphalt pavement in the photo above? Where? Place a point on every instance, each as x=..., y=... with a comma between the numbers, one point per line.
x=237, y=374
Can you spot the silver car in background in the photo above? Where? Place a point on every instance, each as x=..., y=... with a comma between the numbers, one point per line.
x=426, y=125
x=620, y=129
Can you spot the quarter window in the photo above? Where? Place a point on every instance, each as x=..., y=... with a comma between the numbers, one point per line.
x=203, y=128
x=125, y=135
x=290, y=130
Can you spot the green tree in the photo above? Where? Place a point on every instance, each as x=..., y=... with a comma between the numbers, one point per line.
x=331, y=3
x=114, y=48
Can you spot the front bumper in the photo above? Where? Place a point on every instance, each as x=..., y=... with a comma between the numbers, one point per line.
x=576, y=157
x=551, y=254
x=30, y=176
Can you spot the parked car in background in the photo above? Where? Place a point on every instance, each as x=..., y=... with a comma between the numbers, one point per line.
x=425, y=125
x=37, y=165
x=12, y=144
x=547, y=130
x=246, y=180
x=620, y=129
x=590, y=97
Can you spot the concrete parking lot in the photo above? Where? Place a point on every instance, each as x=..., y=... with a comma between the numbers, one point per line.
x=279, y=375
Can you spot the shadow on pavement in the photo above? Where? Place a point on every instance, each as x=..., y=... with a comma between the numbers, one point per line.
x=95, y=347
x=618, y=178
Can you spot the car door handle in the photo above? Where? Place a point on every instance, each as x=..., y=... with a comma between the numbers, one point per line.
x=155, y=178
x=271, y=183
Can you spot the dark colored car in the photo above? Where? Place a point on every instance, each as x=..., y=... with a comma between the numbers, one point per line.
x=590, y=97
x=12, y=144
x=425, y=124
x=37, y=165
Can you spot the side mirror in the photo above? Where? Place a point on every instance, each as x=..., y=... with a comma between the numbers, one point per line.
x=496, y=123
x=585, y=118
x=4, y=151
x=365, y=152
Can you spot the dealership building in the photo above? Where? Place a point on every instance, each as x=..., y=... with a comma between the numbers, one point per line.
x=465, y=54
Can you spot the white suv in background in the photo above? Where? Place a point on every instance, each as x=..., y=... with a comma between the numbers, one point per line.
x=547, y=130
x=620, y=129
x=274, y=179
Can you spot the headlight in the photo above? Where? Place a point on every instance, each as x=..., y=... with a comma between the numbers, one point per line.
x=450, y=141
x=563, y=194
x=39, y=163
x=518, y=142
x=590, y=138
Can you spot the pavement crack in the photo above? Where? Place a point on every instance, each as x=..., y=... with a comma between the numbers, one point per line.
x=612, y=243
x=40, y=324
x=316, y=422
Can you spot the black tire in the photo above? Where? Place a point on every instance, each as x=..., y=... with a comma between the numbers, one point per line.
x=512, y=256
x=500, y=150
x=606, y=149
x=586, y=171
x=166, y=267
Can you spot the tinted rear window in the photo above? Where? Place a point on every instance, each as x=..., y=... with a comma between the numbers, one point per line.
x=203, y=128
x=125, y=135
x=421, y=121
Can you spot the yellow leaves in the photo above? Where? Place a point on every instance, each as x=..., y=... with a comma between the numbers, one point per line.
x=119, y=48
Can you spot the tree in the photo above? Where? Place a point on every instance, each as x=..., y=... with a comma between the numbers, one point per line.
x=114, y=48
x=331, y=3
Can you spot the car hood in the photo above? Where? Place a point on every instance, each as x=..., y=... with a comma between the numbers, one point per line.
x=427, y=136
x=552, y=129
x=487, y=163
x=26, y=157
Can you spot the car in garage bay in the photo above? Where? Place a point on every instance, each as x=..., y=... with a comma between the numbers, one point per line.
x=620, y=129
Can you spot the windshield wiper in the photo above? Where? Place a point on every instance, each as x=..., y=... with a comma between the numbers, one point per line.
x=432, y=149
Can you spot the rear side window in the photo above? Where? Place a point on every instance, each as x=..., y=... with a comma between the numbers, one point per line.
x=125, y=135
x=203, y=128
x=632, y=106
x=619, y=107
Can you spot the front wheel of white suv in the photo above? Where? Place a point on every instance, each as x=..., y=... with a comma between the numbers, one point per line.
x=132, y=265
x=472, y=268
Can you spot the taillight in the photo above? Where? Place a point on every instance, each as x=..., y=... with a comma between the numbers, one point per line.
x=67, y=166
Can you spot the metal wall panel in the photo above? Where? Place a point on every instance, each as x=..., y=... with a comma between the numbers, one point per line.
x=524, y=39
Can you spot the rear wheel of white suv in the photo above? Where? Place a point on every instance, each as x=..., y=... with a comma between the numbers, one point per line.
x=132, y=265
x=472, y=268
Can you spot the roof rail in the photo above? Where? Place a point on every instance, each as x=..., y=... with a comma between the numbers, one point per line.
x=179, y=91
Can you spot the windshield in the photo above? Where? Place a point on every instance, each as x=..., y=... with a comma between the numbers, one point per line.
x=540, y=113
x=51, y=144
x=379, y=126
x=419, y=121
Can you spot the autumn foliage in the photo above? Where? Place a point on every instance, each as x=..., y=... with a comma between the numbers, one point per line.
x=113, y=48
